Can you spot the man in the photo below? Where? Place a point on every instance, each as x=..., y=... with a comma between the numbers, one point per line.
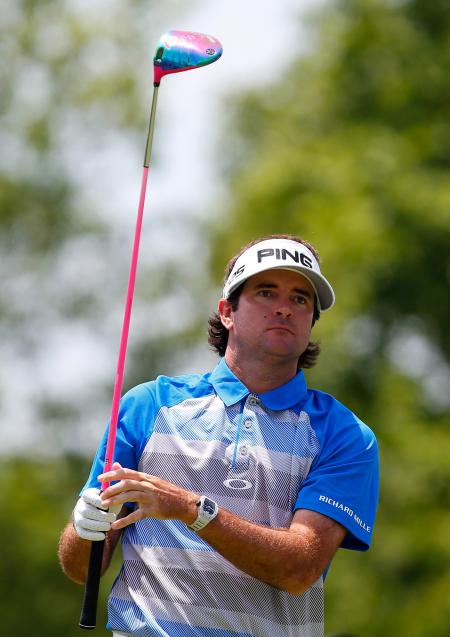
x=236, y=487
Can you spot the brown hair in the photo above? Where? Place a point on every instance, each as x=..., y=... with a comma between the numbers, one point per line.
x=218, y=334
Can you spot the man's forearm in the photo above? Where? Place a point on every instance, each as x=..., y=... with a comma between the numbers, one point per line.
x=289, y=559
x=74, y=553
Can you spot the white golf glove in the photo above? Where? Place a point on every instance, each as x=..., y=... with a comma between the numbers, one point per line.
x=90, y=519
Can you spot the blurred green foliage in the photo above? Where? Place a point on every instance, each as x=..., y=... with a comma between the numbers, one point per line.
x=36, y=598
x=350, y=149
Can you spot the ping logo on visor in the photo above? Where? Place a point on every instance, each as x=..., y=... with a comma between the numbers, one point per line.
x=284, y=255
x=281, y=254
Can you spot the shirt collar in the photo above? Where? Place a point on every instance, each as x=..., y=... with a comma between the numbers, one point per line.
x=231, y=390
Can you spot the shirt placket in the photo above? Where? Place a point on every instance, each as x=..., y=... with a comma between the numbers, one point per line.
x=239, y=456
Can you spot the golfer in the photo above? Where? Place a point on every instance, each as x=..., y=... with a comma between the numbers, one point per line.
x=233, y=490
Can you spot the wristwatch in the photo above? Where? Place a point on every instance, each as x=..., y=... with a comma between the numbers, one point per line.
x=207, y=511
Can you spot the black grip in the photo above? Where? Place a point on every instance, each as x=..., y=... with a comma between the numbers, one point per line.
x=88, y=618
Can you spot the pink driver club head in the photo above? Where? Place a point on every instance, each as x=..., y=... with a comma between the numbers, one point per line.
x=184, y=50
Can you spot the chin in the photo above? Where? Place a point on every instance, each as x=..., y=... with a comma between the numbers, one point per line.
x=284, y=353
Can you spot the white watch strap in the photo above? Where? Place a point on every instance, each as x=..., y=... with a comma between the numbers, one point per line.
x=207, y=511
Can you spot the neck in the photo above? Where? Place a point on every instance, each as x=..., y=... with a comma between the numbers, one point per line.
x=261, y=376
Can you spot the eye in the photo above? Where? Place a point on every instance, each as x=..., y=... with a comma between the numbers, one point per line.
x=265, y=293
x=302, y=299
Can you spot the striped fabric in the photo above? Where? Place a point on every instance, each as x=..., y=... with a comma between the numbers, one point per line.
x=169, y=573
x=261, y=457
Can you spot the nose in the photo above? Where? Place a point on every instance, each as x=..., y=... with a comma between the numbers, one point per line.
x=284, y=311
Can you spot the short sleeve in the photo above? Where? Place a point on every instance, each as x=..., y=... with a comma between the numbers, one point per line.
x=343, y=481
x=134, y=427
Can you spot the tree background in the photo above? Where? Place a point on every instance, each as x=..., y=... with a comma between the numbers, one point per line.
x=349, y=148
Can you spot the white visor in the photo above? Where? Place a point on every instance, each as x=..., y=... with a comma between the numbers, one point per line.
x=281, y=254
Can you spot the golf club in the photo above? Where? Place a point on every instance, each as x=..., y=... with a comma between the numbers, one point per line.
x=176, y=51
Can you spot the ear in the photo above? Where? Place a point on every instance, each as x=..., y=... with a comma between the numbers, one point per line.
x=226, y=313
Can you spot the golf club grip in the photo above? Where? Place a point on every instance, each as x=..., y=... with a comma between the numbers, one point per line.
x=88, y=618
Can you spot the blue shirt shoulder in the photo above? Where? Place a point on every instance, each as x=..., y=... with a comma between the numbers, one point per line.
x=343, y=481
x=137, y=412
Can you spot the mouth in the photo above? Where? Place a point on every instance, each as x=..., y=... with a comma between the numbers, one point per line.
x=280, y=328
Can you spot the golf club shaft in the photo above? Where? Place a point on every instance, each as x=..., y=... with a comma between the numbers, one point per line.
x=151, y=126
x=88, y=619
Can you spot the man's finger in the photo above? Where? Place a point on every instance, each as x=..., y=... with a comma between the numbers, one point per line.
x=94, y=513
x=133, y=517
x=92, y=536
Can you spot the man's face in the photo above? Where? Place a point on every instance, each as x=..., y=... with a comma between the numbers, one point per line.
x=273, y=317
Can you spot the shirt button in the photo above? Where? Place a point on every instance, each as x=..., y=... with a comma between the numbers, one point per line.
x=248, y=424
x=253, y=401
x=244, y=450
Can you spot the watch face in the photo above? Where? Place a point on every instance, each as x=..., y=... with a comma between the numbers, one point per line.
x=209, y=506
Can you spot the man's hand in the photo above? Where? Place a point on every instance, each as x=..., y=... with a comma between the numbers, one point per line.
x=154, y=497
x=91, y=518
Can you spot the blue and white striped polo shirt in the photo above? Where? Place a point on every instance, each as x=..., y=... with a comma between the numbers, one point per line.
x=260, y=456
